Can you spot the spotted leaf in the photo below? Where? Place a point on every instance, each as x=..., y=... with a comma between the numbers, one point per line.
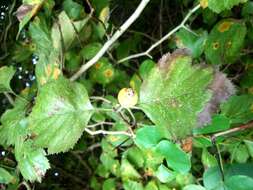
x=61, y=112
x=175, y=93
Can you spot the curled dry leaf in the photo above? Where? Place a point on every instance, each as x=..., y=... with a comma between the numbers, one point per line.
x=222, y=88
x=23, y=10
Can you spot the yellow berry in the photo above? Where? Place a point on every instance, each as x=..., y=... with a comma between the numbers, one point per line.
x=127, y=97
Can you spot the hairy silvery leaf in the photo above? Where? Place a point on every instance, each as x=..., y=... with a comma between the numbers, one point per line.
x=222, y=88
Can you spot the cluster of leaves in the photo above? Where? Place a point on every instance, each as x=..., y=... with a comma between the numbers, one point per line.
x=174, y=137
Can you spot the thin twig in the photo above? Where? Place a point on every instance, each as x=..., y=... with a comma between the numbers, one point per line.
x=81, y=160
x=24, y=183
x=236, y=129
x=161, y=25
x=100, y=98
x=223, y=133
x=10, y=99
x=147, y=52
x=107, y=132
x=142, y=34
x=7, y=30
x=100, y=123
x=108, y=44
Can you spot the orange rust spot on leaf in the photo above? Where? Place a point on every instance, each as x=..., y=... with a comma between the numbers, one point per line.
x=56, y=73
x=108, y=73
x=187, y=144
x=48, y=70
x=251, y=108
x=203, y=3
x=43, y=81
x=229, y=44
x=216, y=45
x=25, y=91
x=250, y=90
x=224, y=26
x=97, y=65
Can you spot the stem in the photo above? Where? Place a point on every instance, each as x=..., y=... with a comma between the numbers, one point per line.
x=240, y=128
x=214, y=137
x=100, y=98
x=108, y=44
x=218, y=158
x=107, y=132
x=103, y=109
x=100, y=123
x=85, y=165
x=24, y=183
x=147, y=52
x=10, y=99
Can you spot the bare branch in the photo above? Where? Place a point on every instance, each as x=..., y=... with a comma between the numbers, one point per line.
x=147, y=52
x=10, y=99
x=107, y=132
x=108, y=44
x=100, y=123
x=233, y=130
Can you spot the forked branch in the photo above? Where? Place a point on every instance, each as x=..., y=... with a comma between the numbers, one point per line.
x=110, y=41
x=147, y=52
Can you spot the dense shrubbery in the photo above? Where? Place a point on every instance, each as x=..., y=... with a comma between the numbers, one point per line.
x=82, y=109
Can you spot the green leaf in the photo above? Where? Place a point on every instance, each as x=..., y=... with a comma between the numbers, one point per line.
x=66, y=31
x=117, y=140
x=212, y=177
x=202, y=142
x=31, y=9
x=241, y=154
x=238, y=113
x=225, y=41
x=32, y=162
x=239, y=182
x=110, y=163
x=109, y=184
x=148, y=137
x=47, y=67
x=135, y=156
x=193, y=42
x=151, y=186
x=219, y=123
x=249, y=145
x=98, y=5
x=221, y=5
x=128, y=171
x=164, y=174
x=102, y=72
x=73, y=9
x=61, y=112
x=5, y=177
x=132, y=185
x=176, y=158
x=72, y=61
x=247, y=78
x=90, y=50
x=145, y=67
x=208, y=160
x=194, y=187
x=13, y=125
x=170, y=96
x=185, y=179
x=247, y=10
x=6, y=74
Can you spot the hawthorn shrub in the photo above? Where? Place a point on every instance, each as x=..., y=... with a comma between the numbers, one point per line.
x=91, y=98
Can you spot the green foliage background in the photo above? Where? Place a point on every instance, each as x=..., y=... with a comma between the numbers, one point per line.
x=191, y=128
